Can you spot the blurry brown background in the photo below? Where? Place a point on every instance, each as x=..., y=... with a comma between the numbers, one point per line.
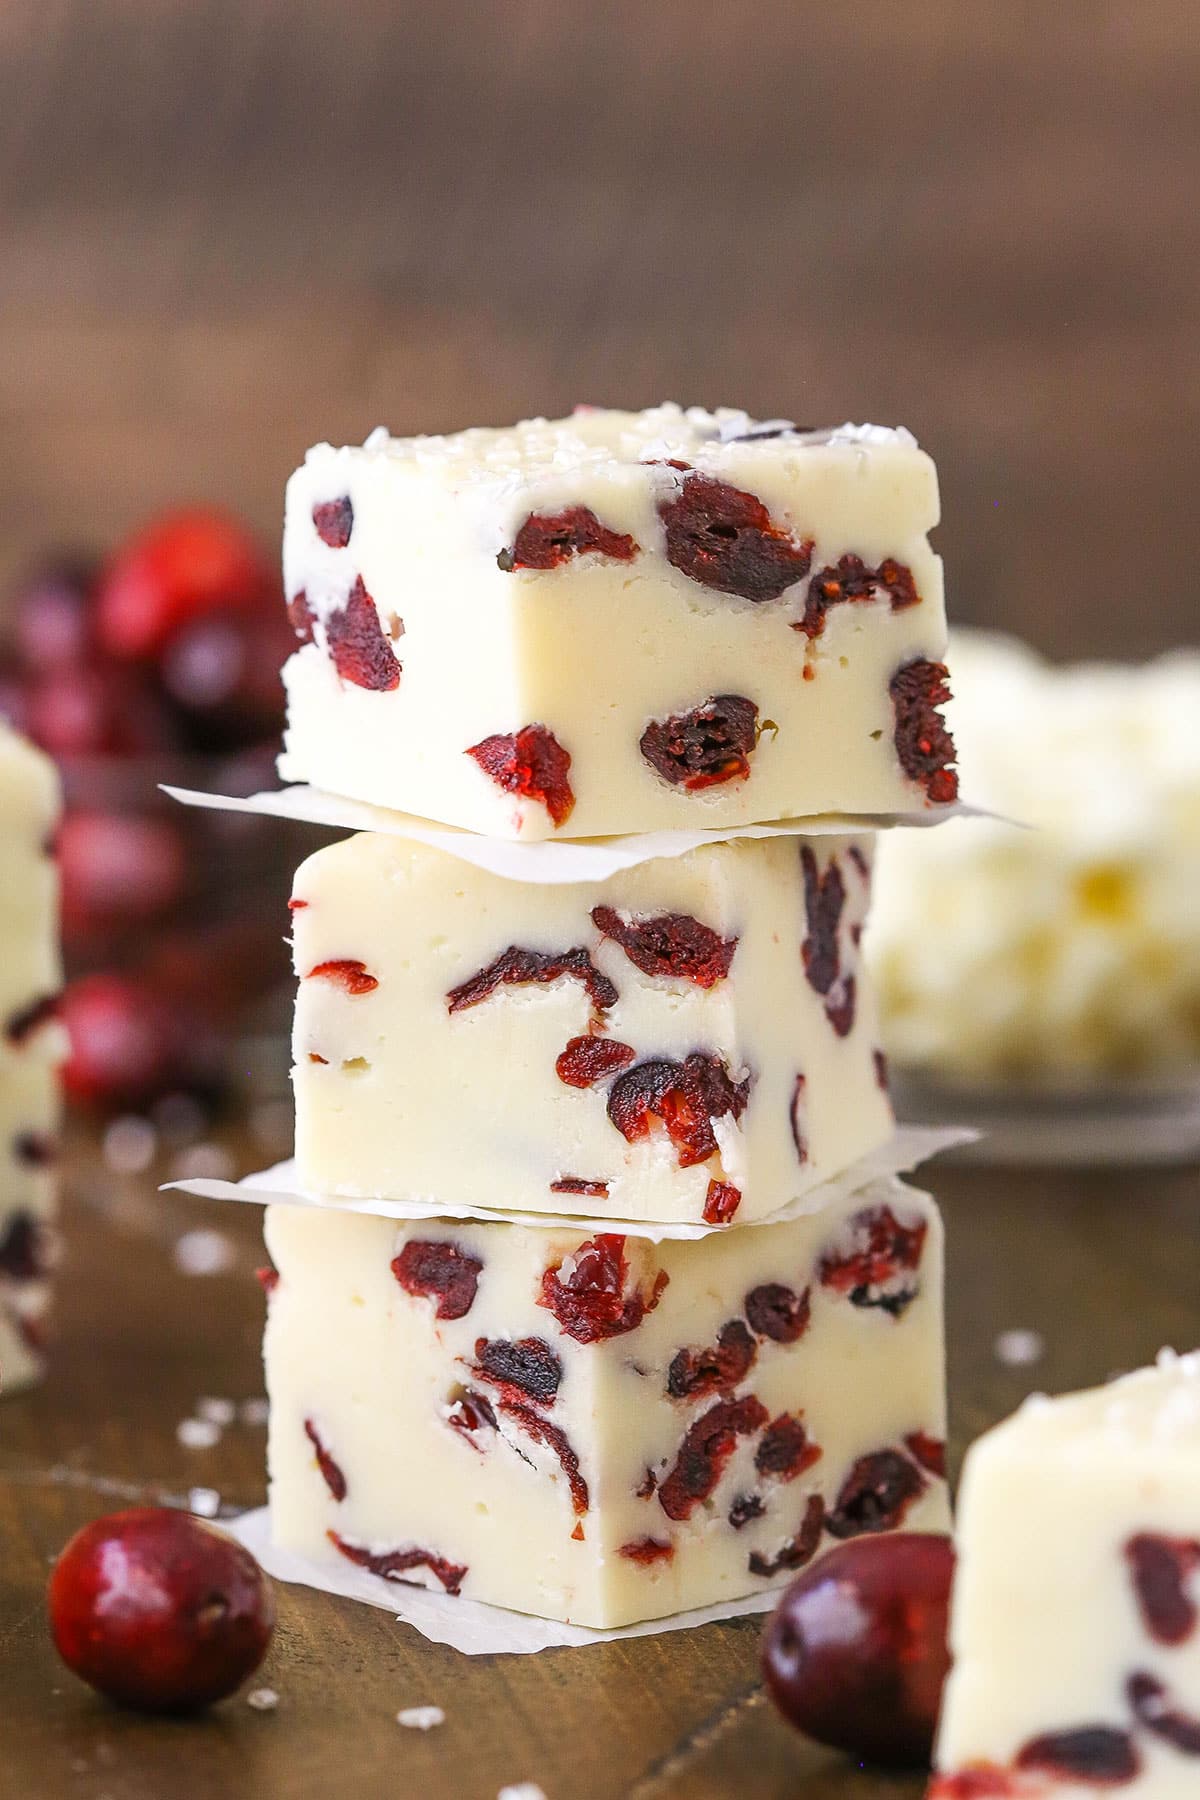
x=229, y=229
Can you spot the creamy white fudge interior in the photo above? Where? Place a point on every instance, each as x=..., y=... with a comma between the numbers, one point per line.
x=31, y=1047
x=618, y=622
x=690, y=1040
x=603, y=1430
x=1072, y=950
x=1075, y=1612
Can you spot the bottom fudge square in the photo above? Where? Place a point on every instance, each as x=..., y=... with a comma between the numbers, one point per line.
x=1075, y=1625
x=602, y=1428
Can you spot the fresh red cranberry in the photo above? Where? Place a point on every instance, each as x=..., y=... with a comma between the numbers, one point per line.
x=158, y=1610
x=588, y=1292
x=183, y=566
x=437, y=1270
x=799, y=1120
x=222, y=674
x=577, y=1184
x=708, y=1444
x=849, y=580
x=527, y=1367
x=532, y=764
x=778, y=1312
x=543, y=1432
x=118, y=870
x=725, y=538
x=1162, y=1569
x=347, y=973
x=800, y=1548
x=394, y=1565
x=785, y=1449
x=334, y=1479
x=647, y=1550
x=301, y=617
x=125, y=1041
x=333, y=521
x=686, y=1097
x=706, y=746
x=547, y=540
x=721, y=1202
x=669, y=944
x=587, y=1060
x=876, y=1495
x=97, y=709
x=855, y=1653
x=923, y=744
x=1151, y=1703
x=516, y=967
x=51, y=617
x=715, y=1369
x=1097, y=1754
x=357, y=643
x=874, y=1259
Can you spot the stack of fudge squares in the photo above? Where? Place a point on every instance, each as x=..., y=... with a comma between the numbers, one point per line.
x=32, y=1044
x=617, y=627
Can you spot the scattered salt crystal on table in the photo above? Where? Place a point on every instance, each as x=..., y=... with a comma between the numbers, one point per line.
x=197, y=1434
x=203, y=1162
x=255, y=1411
x=522, y=1790
x=421, y=1718
x=1020, y=1347
x=262, y=1699
x=179, y=1117
x=204, y=1502
x=129, y=1145
x=204, y=1252
x=215, y=1410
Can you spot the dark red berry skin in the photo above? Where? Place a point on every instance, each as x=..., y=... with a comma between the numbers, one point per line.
x=924, y=746
x=546, y=541
x=710, y=744
x=360, y=651
x=725, y=538
x=855, y=1653
x=159, y=1611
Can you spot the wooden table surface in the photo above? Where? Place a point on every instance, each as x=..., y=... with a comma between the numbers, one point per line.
x=1103, y=1265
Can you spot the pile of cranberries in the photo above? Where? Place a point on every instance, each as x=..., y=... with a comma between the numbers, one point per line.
x=168, y=650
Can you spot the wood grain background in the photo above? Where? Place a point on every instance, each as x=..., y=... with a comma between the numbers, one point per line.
x=231, y=227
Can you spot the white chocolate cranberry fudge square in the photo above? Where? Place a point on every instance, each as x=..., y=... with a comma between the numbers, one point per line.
x=603, y=1429
x=619, y=622
x=691, y=1040
x=31, y=1046
x=1075, y=1624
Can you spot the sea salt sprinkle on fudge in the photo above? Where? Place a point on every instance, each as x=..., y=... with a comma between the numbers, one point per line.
x=618, y=622
x=1076, y=1613
x=603, y=1429
x=691, y=1040
x=31, y=1046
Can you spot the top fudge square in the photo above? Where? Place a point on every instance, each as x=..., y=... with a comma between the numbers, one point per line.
x=619, y=622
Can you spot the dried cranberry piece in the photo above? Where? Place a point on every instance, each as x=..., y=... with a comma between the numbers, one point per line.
x=685, y=1096
x=575, y=1184
x=786, y=1450
x=669, y=944
x=778, y=1312
x=587, y=1060
x=798, y=1118
x=516, y=967
x=701, y=748
x=301, y=617
x=881, y=1070
x=707, y=1446
x=722, y=1365
x=532, y=763
x=527, y=1365
x=361, y=652
x=267, y=1278
x=547, y=540
x=297, y=905
x=471, y=1413
x=35, y=1149
x=437, y=1270
x=746, y=1507
x=1161, y=1568
x=923, y=743
x=344, y=973
x=334, y=521
x=824, y=903
x=850, y=579
x=590, y=1302
x=23, y=1248
x=393, y=1565
x=647, y=1550
x=335, y=1481
x=870, y=1259
x=929, y=1453
x=799, y=1549
x=20, y=1026
x=543, y=1432
x=1150, y=1701
x=721, y=1202
x=875, y=1495
x=1095, y=1753
x=725, y=538
x=985, y=1782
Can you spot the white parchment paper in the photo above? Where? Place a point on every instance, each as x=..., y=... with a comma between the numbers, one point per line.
x=579, y=859
x=467, y=1625
x=908, y=1146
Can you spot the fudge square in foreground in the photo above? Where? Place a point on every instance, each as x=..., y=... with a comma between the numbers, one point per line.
x=31, y=1046
x=618, y=622
x=691, y=1040
x=1075, y=1625
x=603, y=1429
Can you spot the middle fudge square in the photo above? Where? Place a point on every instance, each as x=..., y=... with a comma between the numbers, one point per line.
x=691, y=1040
x=601, y=1428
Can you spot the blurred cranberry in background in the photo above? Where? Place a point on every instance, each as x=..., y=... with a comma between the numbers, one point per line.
x=223, y=674
x=97, y=709
x=183, y=566
x=117, y=871
x=52, y=618
x=125, y=1041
